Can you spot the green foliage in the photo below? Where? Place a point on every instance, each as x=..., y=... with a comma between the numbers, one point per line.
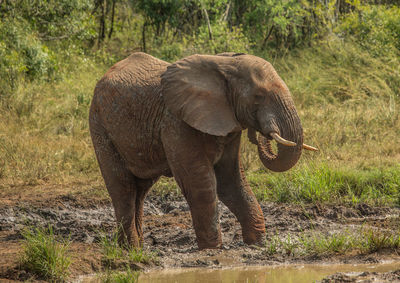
x=33, y=36
x=280, y=19
x=54, y=19
x=160, y=12
x=312, y=184
x=272, y=245
x=22, y=55
x=225, y=40
x=110, y=247
x=44, y=255
x=376, y=28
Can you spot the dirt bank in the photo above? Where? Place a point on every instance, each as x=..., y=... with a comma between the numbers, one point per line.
x=168, y=232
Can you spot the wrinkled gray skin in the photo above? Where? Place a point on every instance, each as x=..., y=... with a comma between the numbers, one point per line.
x=149, y=118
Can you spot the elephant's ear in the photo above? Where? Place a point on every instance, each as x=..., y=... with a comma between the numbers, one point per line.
x=195, y=90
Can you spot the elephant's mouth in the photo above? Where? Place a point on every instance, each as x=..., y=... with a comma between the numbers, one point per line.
x=266, y=141
x=286, y=155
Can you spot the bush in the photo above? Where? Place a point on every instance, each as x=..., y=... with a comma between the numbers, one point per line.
x=22, y=55
x=376, y=28
x=224, y=39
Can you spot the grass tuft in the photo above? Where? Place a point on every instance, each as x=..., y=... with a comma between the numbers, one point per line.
x=318, y=244
x=366, y=241
x=44, y=255
x=376, y=240
x=115, y=256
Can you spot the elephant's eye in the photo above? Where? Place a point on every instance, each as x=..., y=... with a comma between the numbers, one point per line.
x=258, y=99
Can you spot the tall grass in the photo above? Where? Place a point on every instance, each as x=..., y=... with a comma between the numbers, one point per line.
x=44, y=134
x=322, y=183
x=45, y=256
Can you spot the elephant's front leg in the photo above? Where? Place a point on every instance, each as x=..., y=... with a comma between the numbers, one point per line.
x=199, y=189
x=195, y=176
x=237, y=195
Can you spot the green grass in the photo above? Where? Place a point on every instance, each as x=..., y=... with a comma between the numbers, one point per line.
x=119, y=261
x=376, y=240
x=115, y=256
x=364, y=241
x=311, y=183
x=166, y=186
x=44, y=255
x=318, y=244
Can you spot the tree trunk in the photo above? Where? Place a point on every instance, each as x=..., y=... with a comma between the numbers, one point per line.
x=266, y=38
x=208, y=24
x=102, y=23
x=144, y=37
x=112, y=19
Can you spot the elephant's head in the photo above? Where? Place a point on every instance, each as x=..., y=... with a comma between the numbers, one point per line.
x=223, y=94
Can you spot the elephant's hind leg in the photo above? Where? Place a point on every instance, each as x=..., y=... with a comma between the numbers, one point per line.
x=127, y=191
x=143, y=186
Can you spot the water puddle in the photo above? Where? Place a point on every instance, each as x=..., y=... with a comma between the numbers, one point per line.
x=271, y=274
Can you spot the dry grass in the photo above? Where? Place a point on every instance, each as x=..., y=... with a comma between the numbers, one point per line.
x=348, y=102
x=44, y=131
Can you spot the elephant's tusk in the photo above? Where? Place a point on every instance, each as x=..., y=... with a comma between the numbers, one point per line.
x=281, y=140
x=309, y=147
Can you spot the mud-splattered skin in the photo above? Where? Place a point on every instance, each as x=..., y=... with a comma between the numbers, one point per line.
x=149, y=118
x=128, y=105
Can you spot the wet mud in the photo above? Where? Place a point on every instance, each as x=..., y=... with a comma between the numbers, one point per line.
x=363, y=277
x=169, y=234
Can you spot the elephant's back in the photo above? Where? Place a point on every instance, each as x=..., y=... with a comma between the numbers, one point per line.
x=128, y=105
x=132, y=85
x=139, y=69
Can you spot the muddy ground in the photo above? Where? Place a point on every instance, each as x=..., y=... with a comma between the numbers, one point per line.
x=169, y=234
x=363, y=277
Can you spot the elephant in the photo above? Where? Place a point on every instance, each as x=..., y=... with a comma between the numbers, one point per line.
x=149, y=118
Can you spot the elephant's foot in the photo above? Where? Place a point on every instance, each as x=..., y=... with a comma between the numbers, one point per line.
x=205, y=246
x=205, y=219
x=255, y=238
x=128, y=236
x=213, y=243
x=207, y=228
x=254, y=234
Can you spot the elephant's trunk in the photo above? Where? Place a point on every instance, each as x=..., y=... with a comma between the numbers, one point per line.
x=285, y=159
x=286, y=156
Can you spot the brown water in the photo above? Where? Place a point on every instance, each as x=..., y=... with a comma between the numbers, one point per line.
x=269, y=274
